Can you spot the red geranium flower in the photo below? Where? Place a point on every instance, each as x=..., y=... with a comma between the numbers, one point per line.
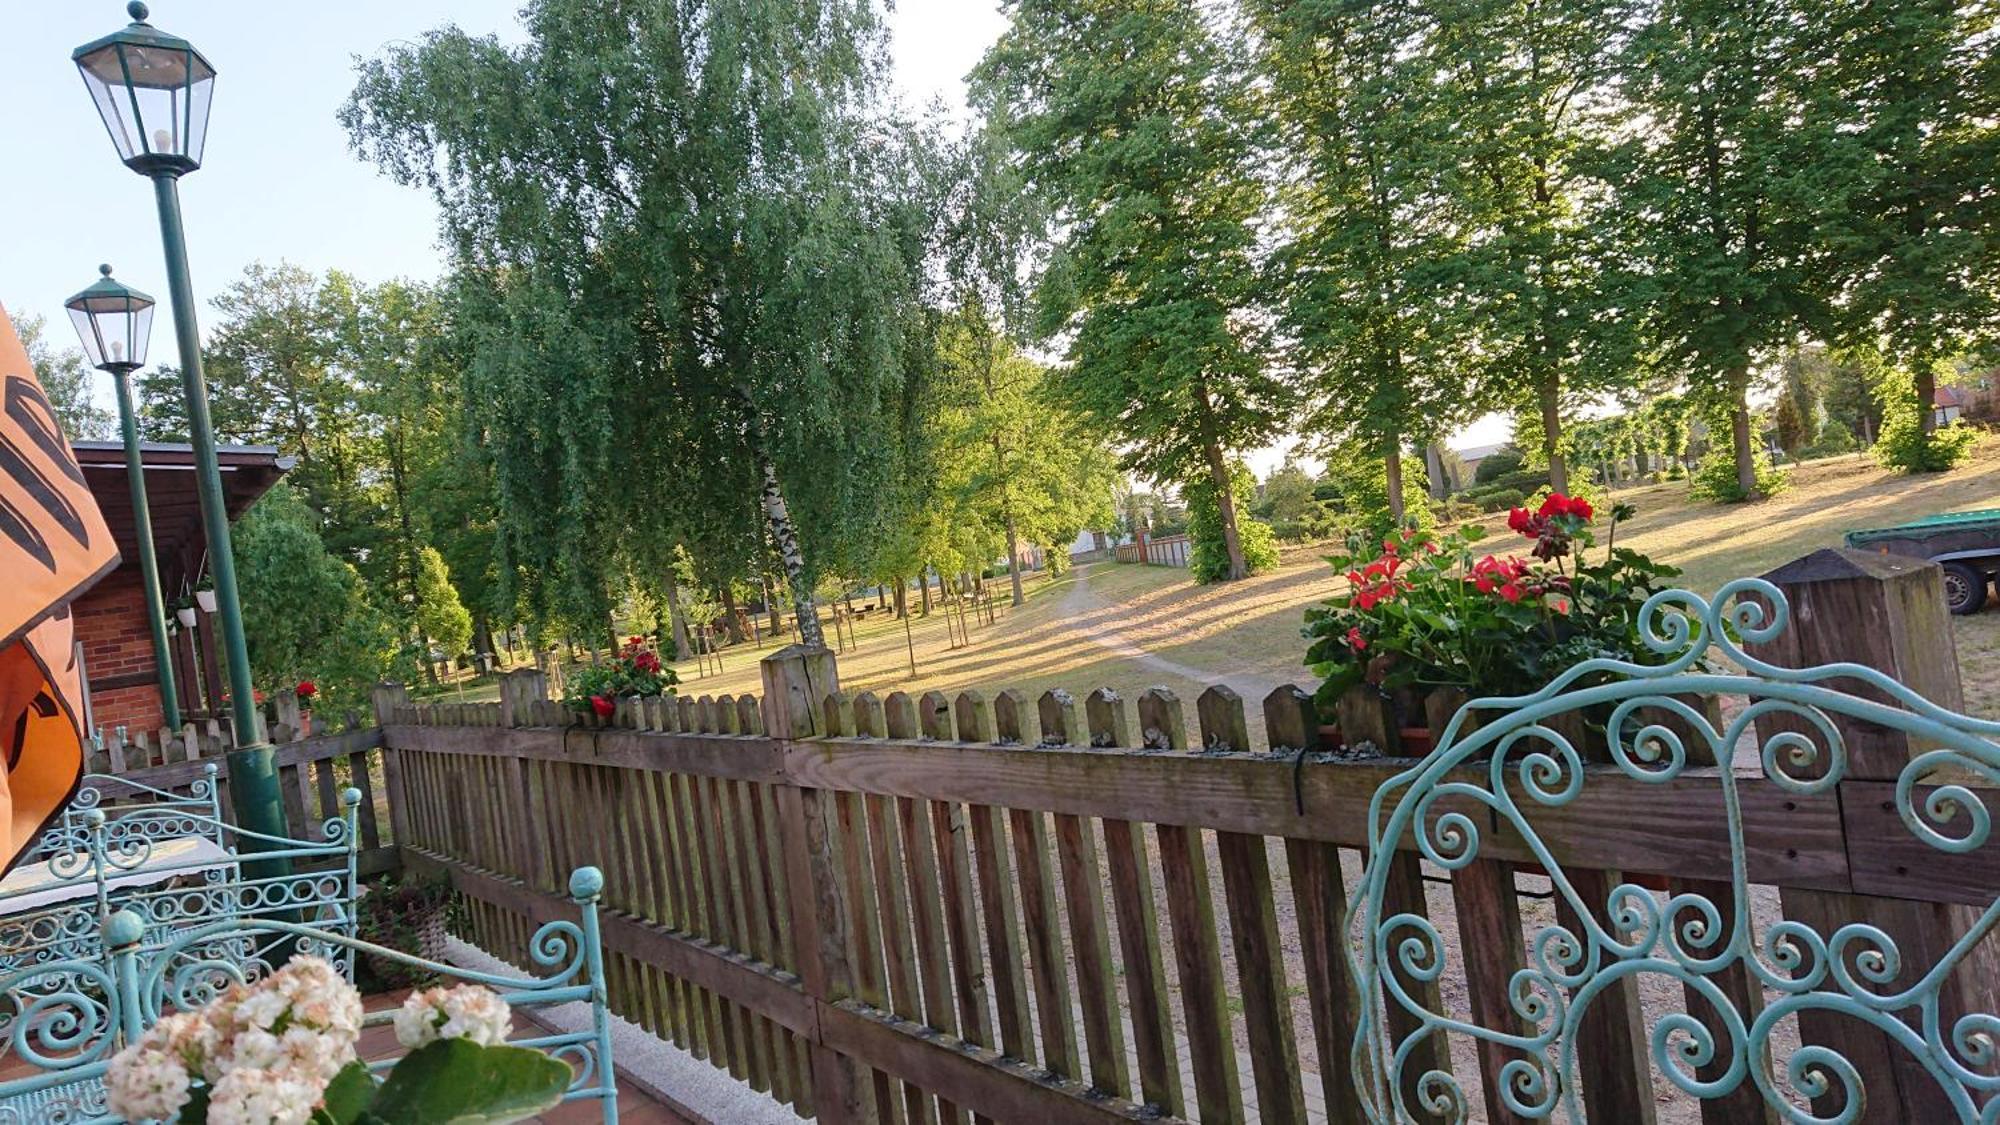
x=604, y=707
x=306, y=689
x=1511, y=592
x=1355, y=640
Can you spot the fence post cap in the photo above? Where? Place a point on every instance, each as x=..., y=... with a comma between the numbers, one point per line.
x=123, y=929
x=1833, y=564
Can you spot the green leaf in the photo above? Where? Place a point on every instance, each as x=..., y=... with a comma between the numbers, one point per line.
x=458, y=1082
x=347, y=1096
x=195, y=1112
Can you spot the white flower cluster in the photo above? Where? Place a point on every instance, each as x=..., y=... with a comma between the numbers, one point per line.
x=466, y=1012
x=265, y=1051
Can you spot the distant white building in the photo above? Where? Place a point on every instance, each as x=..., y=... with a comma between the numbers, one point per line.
x=1090, y=545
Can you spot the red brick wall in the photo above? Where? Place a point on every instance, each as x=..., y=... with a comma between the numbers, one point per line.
x=111, y=625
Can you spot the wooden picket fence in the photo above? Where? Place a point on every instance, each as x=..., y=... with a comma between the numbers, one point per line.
x=1072, y=908
x=1167, y=550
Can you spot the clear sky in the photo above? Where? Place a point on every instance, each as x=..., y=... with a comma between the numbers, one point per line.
x=277, y=181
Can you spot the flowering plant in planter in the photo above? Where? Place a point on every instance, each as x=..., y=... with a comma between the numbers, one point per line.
x=281, y=1052
x=1428, y=611
x=633, y=670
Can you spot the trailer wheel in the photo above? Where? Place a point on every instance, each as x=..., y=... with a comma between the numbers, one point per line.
x=1964, y=588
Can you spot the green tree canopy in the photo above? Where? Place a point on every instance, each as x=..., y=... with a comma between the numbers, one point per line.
x=1134, y=121
x=307, y=614
x=696, y=235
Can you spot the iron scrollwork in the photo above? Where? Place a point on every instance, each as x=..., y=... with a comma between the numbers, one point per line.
x=1510, y=757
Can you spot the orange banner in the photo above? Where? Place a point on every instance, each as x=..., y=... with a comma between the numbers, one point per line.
x=53, y=546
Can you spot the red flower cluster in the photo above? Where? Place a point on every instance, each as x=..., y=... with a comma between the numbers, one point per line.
x=603, y=706
x=306, y=691
x=1355, y=641
x=1553, y=524
x=1502, y=576
x=1377, y=582
x=642, y=658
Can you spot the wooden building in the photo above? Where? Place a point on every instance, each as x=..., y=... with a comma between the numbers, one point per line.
x=119, y=670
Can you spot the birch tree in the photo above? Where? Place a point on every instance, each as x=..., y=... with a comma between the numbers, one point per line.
x=709, y=198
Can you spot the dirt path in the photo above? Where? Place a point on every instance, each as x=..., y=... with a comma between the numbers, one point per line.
x=1092, y=620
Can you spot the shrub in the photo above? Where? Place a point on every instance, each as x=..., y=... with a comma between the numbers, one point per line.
x=1902, y=446
x=1457, y=509
x=1208, y=552
x=1524, y=480
x=1362, y=481
x=1497, y=499
x=1715, y=477
x=1834, y=438
x=1318, y=522
x=1499, y=463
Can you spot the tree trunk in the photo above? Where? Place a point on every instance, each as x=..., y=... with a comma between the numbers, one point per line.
x=1926, y=384
x=902, y=597
x=1434, y=468
x=787, y=539
x=731, y=622
x=1392, y=466
x=1225, y=503
x=924, y=588
x=676, y=617
x=1549, y=395
x=1013, y=557
x=771, y=604
x=1739, y=426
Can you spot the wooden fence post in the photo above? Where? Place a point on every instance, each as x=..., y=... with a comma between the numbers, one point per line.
x=520, y=690
x=796, y=680
x=1888, y=613
x=388, y=698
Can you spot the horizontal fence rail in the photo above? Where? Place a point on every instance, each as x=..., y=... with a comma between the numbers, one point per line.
x=923, y=908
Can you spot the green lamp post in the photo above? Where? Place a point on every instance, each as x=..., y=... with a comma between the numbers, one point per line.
x=115, y=321
x=152, y=91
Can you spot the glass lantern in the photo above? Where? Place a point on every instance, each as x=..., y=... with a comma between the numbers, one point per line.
x=152, y=90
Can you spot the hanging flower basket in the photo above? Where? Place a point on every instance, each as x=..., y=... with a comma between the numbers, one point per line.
x=204, y=596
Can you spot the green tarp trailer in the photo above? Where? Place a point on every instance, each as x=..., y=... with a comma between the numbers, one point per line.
x=1966, y=544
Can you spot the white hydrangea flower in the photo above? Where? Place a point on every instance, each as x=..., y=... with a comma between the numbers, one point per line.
x=263, y=1097
x=150, y=1078
x=468, y=1011
x=304, y=1017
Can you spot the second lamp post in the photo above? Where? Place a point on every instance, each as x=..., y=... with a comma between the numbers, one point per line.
x=115, y=321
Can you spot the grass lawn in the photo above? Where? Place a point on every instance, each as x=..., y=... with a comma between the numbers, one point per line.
x=1132, y=627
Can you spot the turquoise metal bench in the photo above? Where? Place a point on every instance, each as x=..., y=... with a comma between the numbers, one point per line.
x=85, y=1010
x=105, y=856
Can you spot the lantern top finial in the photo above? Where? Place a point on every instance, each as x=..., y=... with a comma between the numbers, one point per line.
x=138, y=11
x=104, y=269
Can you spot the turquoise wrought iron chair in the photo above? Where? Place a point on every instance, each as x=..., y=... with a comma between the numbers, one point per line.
x=1505, y=758
x=71, y=1031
